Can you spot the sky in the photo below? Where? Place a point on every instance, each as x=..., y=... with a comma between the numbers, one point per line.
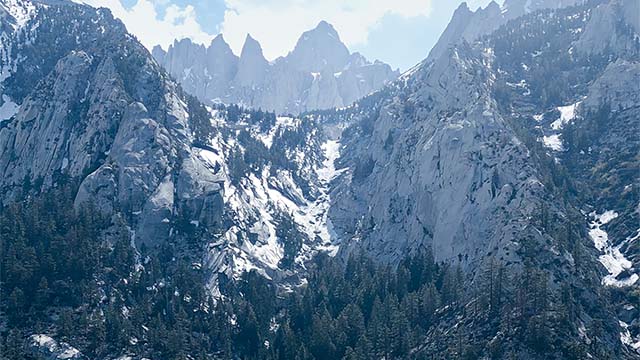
x=398, y=32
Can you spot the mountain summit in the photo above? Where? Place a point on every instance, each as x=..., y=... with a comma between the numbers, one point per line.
x=319, y=73
x=252, y=66
x=320, y=50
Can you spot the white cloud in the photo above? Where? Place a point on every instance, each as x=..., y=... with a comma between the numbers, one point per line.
x=277, y=24
x=143, y=21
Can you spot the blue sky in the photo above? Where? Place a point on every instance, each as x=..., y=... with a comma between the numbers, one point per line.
x=398, y=32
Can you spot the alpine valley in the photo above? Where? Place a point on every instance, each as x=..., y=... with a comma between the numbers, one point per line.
x=193, y=204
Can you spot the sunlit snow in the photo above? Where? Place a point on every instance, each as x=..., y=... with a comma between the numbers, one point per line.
x=553, y=142
x=8, y=108
x=567, y=113
x=626, y=338
x=21, y=11
x=612, y=258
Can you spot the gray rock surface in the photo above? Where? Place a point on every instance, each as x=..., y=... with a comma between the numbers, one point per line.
x=447, y=157
x=601, y=32
x=102, y=115
x=109, y=117
x=439, y=164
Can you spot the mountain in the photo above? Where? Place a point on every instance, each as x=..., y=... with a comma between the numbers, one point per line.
x=320, y=73
x=470, y=25
x=483, y=205
x=144, y=152
x=471, y=154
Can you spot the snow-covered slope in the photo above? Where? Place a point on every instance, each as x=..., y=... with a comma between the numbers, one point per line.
x=271, y=203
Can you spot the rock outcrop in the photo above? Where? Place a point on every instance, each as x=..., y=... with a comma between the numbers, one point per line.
x=106, y=115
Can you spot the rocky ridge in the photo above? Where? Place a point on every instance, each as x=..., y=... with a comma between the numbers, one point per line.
x=319, y=73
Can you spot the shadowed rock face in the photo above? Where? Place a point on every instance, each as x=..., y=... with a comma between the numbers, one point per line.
x=108, y=116
x=319, y=73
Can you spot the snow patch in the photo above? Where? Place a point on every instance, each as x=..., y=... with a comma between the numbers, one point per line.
x=58, y=350
x=281, y=122
x=600, y=237
x=567, y=113
x=553, y=142
x=626, y=338
x=8, y=108
x=612, y=258
x=20, y=10
x=314, y=217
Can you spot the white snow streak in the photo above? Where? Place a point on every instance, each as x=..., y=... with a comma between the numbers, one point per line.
x=314, y=216
x=553, y=142
x=567, y=113
x=599, y=236
x=612, y=258
x=22, y=11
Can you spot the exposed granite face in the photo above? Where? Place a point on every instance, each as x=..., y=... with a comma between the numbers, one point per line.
x=612, y=27
x=447, y=157
x=436, y=161
x=252, y=66
x=438, y=168
x=319, y=73
x=320, y=49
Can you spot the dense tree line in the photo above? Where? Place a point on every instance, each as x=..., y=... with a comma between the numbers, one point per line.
x=63, y=277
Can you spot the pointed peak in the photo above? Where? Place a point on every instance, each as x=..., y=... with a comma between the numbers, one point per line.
x=219, y=47
x=219, y=38
x=323, y=25
x=251, y=48
x=320, y=49
x=251, y=45
x=493, y=6
x=463, y=7
x=463, y=12
x=250, y=39
x=219, y=43
x=324, y=28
